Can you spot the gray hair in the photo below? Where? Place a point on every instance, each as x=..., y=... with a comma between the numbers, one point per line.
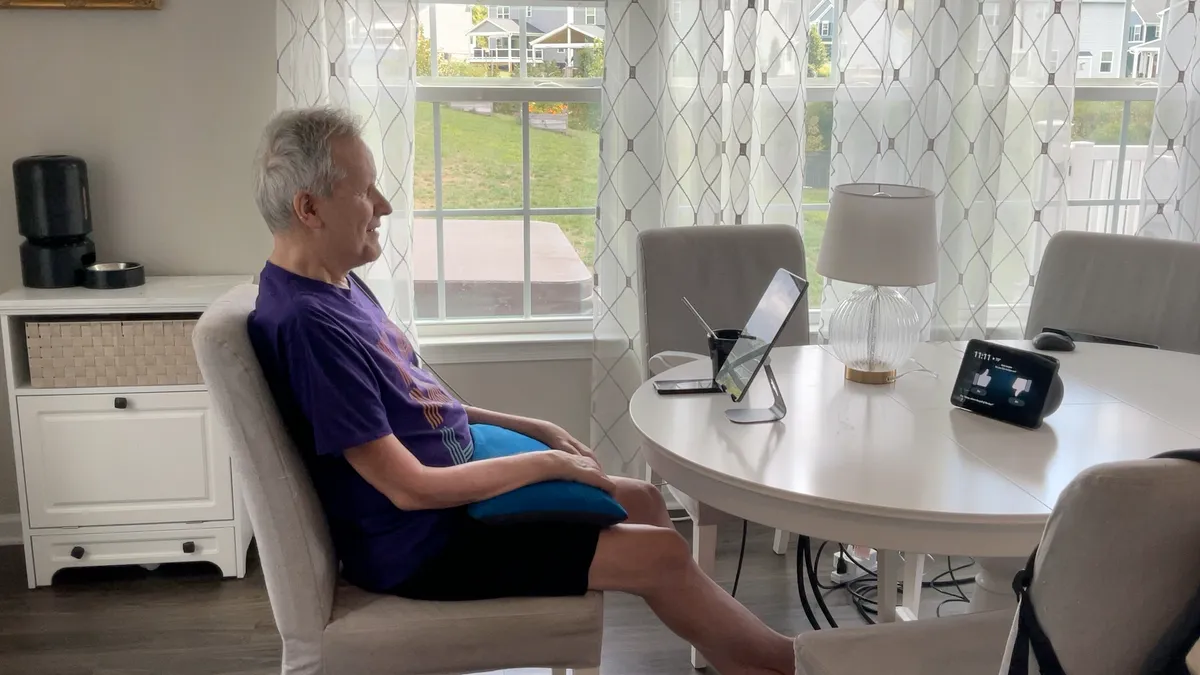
x=296, y=156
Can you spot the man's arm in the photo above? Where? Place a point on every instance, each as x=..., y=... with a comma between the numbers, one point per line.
x=547, y=432
x=390, y=468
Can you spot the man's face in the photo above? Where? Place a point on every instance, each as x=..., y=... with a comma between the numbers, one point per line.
x=350, y=214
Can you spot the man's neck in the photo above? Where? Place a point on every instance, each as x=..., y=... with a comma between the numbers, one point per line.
x=299, y=261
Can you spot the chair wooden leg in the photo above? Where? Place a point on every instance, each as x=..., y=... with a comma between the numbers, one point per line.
x=559, y=671
x=585, y=671
x=782, y=539
x=704, y=552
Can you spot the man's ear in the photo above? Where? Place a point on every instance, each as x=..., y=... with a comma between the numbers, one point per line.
x=305, y=208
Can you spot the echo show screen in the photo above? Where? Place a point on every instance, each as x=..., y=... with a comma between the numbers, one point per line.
x=1003, y=383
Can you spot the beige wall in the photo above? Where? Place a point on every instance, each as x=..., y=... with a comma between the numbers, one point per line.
x=166, y=108
x=559, y=391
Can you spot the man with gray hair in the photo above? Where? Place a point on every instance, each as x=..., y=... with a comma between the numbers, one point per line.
x=390, y=451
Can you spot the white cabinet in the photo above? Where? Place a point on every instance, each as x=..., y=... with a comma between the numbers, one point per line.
x=122, y=459
x=124, y=474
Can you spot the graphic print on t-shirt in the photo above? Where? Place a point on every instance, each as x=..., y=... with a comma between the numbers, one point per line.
x=428, y=395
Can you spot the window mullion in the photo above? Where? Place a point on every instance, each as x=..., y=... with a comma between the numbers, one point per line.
x=1123, y=142
x=439, y=219
x=527, y=284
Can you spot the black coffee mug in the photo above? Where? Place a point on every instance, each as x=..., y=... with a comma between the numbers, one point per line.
x=719, y=346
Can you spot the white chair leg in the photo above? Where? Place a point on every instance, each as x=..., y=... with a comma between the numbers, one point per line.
x=704, y=552
x=782, y=540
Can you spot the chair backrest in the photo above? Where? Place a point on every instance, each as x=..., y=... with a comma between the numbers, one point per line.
x=294, y=545
x=1135, y=288
x=1118, y=563
x=723, y=270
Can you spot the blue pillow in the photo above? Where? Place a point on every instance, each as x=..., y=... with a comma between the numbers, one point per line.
x=555, y=501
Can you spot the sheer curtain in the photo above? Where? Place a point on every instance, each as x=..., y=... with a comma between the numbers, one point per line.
x=341, y=52
x=703, y=125
x=973, y=100
x=1170, y=205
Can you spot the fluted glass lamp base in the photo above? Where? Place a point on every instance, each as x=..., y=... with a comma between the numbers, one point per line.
x=873, y=333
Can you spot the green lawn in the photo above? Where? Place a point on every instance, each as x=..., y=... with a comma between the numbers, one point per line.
x=481, y=168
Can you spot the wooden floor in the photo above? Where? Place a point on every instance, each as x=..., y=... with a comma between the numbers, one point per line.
x=186, y=620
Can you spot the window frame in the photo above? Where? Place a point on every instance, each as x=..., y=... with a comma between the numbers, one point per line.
x=825, y=29
x=1112, y=57
x=442, y=91
x=1135, y=33
x=507, y=9
x=590, y=16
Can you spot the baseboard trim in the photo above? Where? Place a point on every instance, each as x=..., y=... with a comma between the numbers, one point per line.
x=10, y=529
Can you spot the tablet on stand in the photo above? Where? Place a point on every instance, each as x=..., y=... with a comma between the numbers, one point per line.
x=752, y=351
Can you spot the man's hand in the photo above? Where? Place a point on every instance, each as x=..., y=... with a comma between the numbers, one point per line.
x=575, y=467
x=558, y=439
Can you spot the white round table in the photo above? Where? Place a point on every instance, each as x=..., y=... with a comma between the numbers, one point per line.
x=898, y=468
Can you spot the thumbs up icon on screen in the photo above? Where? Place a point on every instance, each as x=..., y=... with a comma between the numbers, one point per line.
x=982, y=379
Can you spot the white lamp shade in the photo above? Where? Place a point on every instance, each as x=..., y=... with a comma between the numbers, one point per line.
x=880, y=235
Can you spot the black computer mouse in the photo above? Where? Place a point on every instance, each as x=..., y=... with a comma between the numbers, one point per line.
x=1053, y=342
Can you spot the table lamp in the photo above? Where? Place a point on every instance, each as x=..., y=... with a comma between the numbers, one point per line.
x=882, y=236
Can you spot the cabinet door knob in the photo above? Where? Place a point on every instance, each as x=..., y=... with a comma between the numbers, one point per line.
x=77, y=552
x=120, y=403
x=189, y=547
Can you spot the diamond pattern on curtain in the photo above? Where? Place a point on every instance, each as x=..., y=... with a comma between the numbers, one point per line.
x=332, y=52
x=973, y=100
x=1170, y=205
x=703, y=125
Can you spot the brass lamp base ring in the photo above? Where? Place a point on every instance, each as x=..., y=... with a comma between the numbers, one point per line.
x=870, y=376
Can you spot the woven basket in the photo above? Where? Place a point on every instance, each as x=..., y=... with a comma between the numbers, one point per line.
x=111, y=353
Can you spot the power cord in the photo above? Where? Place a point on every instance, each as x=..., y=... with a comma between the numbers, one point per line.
x=864, y=590
x=741, y=556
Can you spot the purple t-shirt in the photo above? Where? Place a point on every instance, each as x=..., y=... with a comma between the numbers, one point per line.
x=342, y=375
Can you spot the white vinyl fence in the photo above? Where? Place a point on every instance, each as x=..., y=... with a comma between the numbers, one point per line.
x=1098, y=172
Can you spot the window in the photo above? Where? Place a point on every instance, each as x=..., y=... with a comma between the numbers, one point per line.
x=501, y=12
x=1151, y=33
x=676, y=10
x=589, y=16
x=505, y=178
x=505, y=181
x=1135, y=33
x=991, y=13
x=529, y=12
x=824, y=29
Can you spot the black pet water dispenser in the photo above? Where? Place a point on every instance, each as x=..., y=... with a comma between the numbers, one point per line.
x=54, y=216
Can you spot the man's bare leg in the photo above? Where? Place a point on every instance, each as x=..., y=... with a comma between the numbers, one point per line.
x=655, y=563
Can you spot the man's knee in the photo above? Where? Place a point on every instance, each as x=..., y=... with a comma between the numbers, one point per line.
x=643, y=500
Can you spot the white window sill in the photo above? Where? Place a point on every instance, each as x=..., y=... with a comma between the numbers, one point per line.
x=506, y=347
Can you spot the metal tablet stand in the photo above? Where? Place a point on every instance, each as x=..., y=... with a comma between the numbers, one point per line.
x=776, y=412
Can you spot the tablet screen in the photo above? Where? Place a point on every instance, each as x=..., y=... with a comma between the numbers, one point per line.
x=776, y=306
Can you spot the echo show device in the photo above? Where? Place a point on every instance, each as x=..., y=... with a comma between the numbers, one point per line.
x=1007, y=384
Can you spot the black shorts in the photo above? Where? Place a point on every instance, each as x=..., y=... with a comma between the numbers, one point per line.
x=483, y=562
